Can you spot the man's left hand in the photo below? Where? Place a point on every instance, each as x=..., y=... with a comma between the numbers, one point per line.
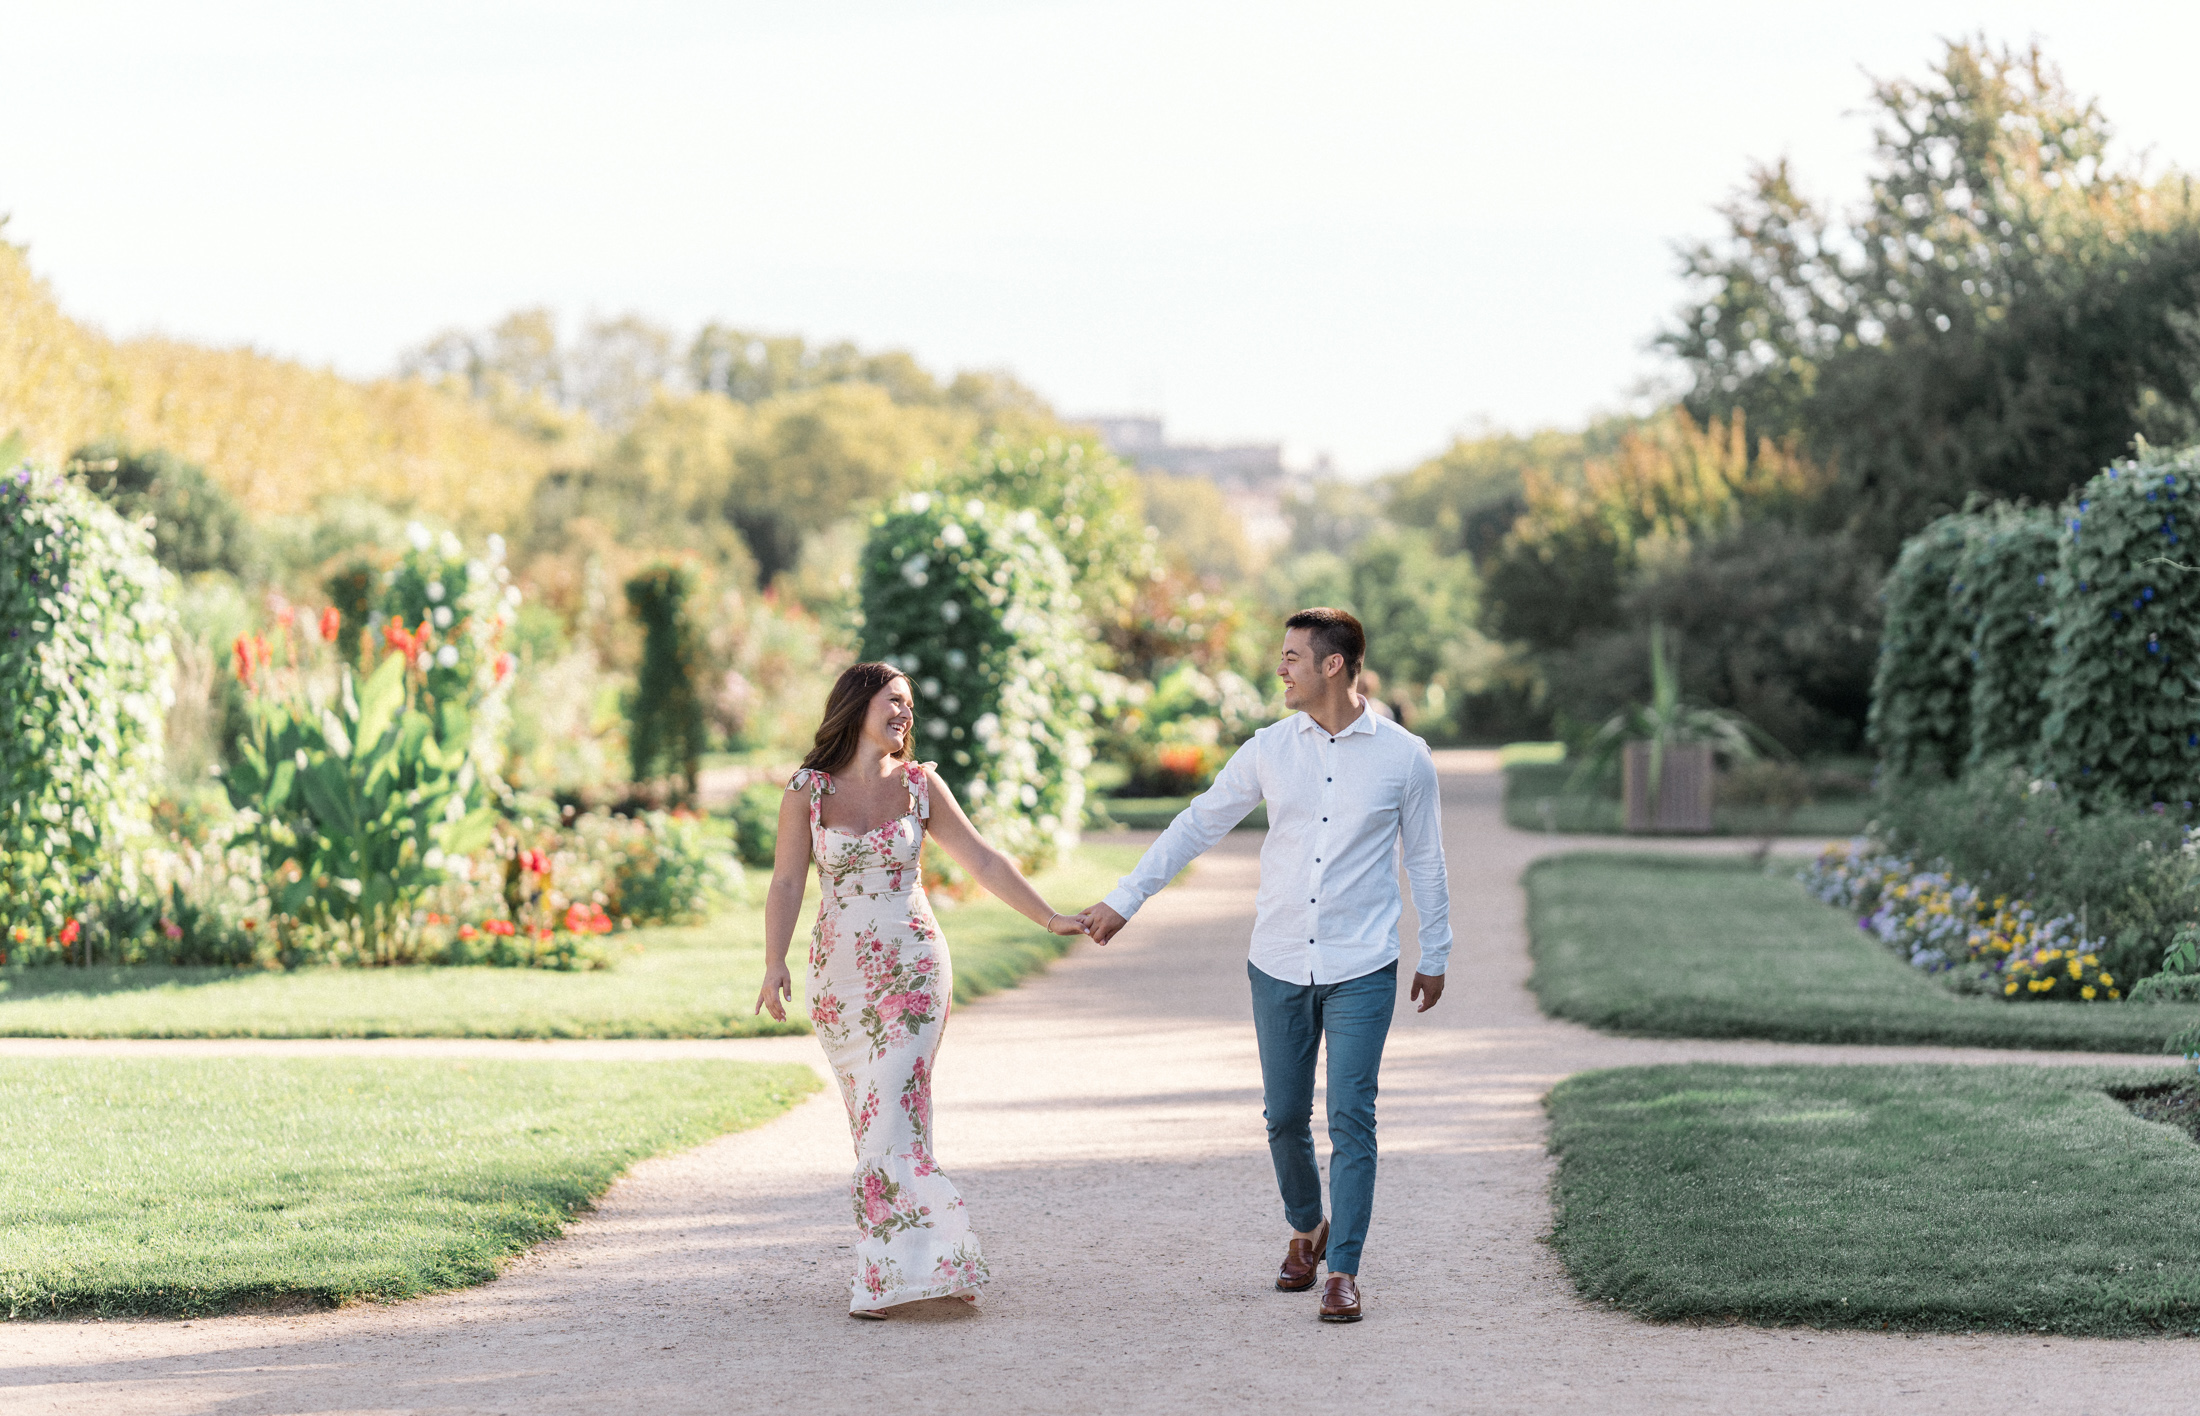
x=1427, y=988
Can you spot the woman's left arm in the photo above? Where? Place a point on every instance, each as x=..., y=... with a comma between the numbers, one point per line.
x=995, y=871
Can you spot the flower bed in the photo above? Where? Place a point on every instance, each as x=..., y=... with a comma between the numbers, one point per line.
x=1947, y=926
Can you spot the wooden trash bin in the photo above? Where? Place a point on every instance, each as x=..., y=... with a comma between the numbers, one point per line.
x=1684, y=788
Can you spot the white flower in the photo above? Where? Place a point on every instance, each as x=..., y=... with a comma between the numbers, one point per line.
x=951, y=703
x=930, y=688
x=987, y=727
x=433, y=859
x=1029, y=796
x=956, y=659
x=435, y=591
x=442, y=616
x=447, y=656
x=511, y=595
x=450, y=546
x=950, y=611
x=921, y=502
x=952, y=534
x=418, y=535
x=427, y=660
x=973, y=508
x=936, y=727
x=496, y=547
x=300, y=757
x=912, y=569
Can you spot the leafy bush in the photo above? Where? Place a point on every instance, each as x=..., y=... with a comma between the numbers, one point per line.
x=2123, y=696
x=665, y=725
x=975, y=605
x=84, y=682
x=1175, y=735
x=360, y=800
x=756, y=824
x=2003, y=579
x=196, y=527
x=1088, y=500
x=1921, y=695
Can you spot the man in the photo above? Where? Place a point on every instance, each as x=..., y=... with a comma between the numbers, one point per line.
x=1346, y=789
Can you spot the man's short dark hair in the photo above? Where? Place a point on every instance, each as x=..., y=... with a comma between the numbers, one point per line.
x=1333, y=632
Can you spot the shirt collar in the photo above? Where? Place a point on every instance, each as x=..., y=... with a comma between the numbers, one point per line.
x=1365, y=723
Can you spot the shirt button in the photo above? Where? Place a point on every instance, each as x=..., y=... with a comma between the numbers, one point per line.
x=1328, y=779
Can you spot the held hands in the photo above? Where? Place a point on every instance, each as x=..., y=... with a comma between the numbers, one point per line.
x=1101, y=923
x=778, y=985
x=1065, y=924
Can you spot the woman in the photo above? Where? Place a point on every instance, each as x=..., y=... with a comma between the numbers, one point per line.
x=880, y=981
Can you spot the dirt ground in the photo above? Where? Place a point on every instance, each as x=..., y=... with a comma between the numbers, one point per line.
x=1104, y=1123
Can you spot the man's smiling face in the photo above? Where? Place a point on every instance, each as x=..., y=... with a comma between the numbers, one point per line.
x=1300, y=668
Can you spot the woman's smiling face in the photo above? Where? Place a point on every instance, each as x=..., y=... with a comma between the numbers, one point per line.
x=893, y=713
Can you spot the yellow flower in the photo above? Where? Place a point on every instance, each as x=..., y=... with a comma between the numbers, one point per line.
x=2075, y=970
x=2086, y=992
x=2106, y=980
x=2011, y=988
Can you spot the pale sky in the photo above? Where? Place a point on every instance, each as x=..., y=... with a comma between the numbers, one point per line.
x=1353, y=228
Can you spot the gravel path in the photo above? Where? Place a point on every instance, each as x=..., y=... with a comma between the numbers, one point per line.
x=1104, y=1122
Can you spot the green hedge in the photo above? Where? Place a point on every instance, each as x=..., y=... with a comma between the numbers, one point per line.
x=2005, y=578
x=1921, y=694
x=2123, y=697
x=85, y=683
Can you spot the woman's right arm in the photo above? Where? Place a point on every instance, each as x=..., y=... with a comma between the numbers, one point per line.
x=783, y=902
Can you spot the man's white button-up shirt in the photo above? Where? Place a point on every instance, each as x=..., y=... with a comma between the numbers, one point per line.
x=1342, y=809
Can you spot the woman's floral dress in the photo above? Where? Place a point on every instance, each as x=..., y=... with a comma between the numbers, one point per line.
x=879, y=988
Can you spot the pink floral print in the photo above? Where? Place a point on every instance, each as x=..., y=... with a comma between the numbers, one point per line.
x=879, y=989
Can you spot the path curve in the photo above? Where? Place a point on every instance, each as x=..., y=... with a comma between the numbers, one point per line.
x=1104, y=1122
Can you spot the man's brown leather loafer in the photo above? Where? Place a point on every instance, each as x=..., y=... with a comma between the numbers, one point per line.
x=1340, y=1299
x=1299, y=1259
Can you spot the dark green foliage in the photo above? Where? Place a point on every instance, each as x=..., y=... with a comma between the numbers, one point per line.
x=2123, y=697
x=196, y=527
x=2121, y=871
x=756, y=824
x=1772, y=623
x=2008, y=308
x=1921, y=695
x=664, y=713
x=1950, y=1198
x=1670, y=947
x=2004, y=579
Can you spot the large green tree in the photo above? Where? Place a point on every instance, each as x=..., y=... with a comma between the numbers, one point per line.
x=2006, y=309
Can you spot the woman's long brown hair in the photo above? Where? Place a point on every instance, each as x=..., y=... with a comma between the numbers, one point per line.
x=845, y=709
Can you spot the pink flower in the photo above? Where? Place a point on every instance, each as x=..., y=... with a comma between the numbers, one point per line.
x=895, y=1005
x=875, y=1207
x=826, y=1010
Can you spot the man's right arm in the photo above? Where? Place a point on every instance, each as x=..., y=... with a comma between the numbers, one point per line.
x=1210, y=817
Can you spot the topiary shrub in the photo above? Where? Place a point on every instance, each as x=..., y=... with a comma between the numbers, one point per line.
x=85, y=666
x=2123, y=692
x=1921, y=693
x=2004, y=577
x=665, y=723
x=975, y=605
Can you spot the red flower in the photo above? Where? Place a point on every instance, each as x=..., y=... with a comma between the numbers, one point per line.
x=534, y=862
x=332, y=624
x=467, y=931
x=285, y=617
x=500, y=927
x=587, y=919
x=251, y=924
x=504, y=666
x=243, y=648
x=70, y=933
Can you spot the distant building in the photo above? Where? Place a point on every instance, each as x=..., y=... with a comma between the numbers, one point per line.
x=1251, y=476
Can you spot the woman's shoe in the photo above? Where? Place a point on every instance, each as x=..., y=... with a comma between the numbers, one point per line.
x=876, y=1315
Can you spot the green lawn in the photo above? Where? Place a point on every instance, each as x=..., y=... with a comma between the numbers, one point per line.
x=1923, y=1198
x=183, y=1187
x=698, y=982
x=1536, y=799
x=1705, y=948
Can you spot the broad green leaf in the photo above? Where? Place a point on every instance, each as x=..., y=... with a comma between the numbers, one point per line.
x=381, y=701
